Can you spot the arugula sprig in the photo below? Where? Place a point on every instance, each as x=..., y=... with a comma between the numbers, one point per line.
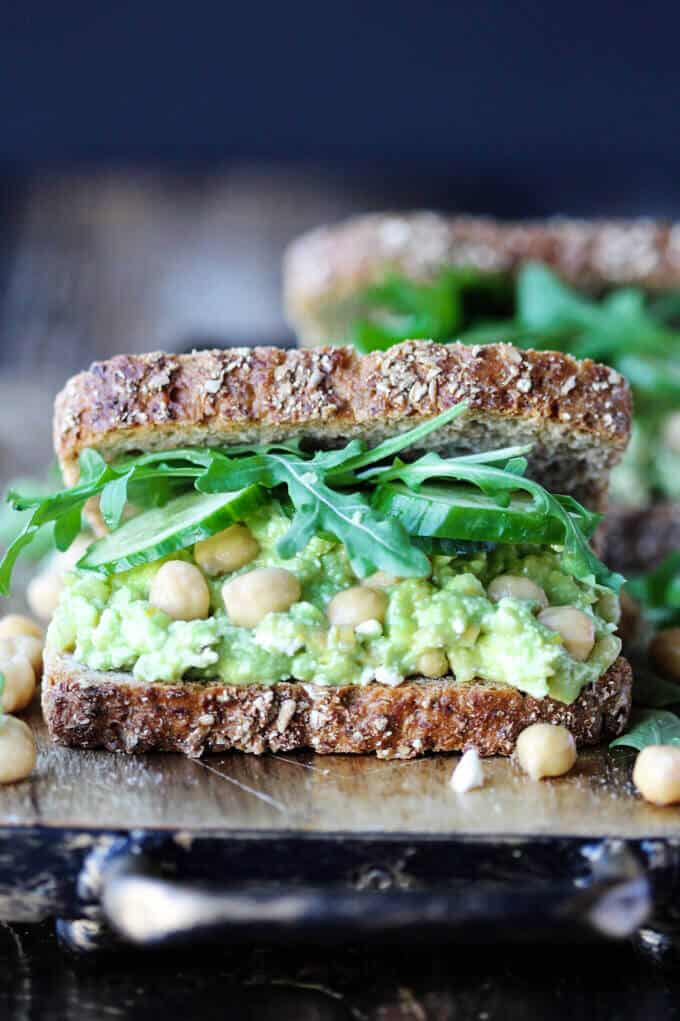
x=329, y=492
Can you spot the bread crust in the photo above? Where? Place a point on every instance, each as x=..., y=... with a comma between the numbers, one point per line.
x=575, y=413
x=92, y=709
x=331, y=265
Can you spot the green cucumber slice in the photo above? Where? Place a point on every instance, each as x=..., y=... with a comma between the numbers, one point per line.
x=180, y=523
x=459, y=512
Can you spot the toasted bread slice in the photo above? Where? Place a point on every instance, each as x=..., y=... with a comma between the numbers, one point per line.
x=575, y=413
x=92, y=709
x=326, y=269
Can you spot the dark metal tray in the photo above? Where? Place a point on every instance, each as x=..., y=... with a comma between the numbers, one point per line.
x=159, y=848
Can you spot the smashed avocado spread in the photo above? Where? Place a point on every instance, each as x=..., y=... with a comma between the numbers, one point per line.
x=108, y=623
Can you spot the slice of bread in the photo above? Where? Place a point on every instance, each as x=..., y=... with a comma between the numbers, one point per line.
x=575, y=413
x=92, y=709
x=327, y=269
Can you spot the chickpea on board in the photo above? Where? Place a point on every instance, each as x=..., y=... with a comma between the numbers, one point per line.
x=544, y=750
x=656, y=774
x=17, y=750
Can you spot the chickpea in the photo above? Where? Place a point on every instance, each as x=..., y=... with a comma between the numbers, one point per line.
x=251, y=596
x=180, y=590
x=17, y=750
x=516, y=586
x=657, y=774
x=43, y=592
x=380, y=579
x=671, y=432
x=16, y=624
x=433, y=663
x=576, y=628
x=19, y=677
x=227, y=551
x=664, y=650
x=544, y=749
x=355, y=605
x=24, y=645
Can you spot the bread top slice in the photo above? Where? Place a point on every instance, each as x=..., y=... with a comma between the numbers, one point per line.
x=327, y=268
x=575, y=413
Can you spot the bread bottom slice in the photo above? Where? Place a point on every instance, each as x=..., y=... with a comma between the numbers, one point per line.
x=96, y=709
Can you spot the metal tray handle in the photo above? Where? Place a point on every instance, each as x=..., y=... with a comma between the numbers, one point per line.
x=149, y=910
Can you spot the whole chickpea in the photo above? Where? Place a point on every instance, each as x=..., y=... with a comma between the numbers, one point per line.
x=251, y=596
x=664, y=650
x=23, y=645
x=19, y=677
x=380, y=579
x=17, y=750
x=516, y=586
x=544, y=749
x=433, y=663
x=17, y=624
x=656, y=774
x=43, y=592
x=576, y=628
x=180, y=590
x=227, y=551
x=355, y=605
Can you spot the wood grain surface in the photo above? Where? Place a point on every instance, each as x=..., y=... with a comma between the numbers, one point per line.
x=327, y=794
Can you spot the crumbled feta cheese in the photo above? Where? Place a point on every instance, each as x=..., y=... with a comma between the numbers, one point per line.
x=469, y=773
x=369, y=629
x=384, y=675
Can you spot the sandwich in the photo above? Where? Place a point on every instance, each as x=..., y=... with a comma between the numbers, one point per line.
x=383, y=553
x=608, y=290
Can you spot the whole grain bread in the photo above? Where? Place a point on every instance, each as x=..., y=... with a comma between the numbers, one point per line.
x=576, y=414
x=326, y=270
x=92, y=709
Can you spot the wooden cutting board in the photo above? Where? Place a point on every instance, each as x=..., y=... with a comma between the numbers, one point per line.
x=97, y=790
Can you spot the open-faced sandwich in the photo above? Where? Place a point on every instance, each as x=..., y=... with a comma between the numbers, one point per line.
x=607, y=290
x=321, y=549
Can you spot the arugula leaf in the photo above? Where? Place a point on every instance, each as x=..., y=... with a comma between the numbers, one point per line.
x=315, y=487
x=578, y=558
x=392, y=446
x=650, y=726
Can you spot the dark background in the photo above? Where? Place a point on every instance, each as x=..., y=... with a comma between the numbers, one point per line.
x=515, y=108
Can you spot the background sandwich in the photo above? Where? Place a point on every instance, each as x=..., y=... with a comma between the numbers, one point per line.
x=608, y=290
x=349, y=553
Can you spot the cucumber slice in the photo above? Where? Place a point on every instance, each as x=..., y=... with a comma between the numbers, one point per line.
x=459, y=512
x=180, y=523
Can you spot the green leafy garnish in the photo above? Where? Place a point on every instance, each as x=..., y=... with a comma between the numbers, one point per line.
x=658, y=591
x=500, y=485
x=650, y=726
x=336, y=492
